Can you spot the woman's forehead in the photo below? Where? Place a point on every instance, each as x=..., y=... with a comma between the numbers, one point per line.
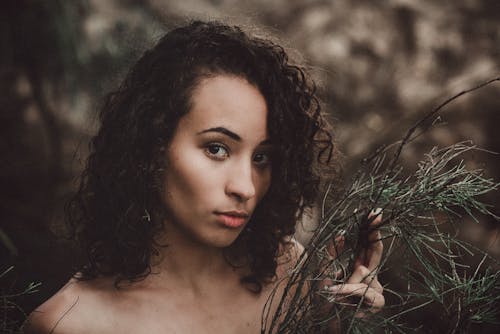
x=228, y=102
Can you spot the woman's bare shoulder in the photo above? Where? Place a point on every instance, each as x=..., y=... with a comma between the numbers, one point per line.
x=70, y=310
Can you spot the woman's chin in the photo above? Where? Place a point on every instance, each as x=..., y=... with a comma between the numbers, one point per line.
x=220, y=239
x=225, y=242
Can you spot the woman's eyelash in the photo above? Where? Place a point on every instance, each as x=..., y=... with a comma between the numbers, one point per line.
x=267, y=158
x=217, y=151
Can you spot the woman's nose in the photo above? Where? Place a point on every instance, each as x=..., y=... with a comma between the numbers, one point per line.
x=240, y=183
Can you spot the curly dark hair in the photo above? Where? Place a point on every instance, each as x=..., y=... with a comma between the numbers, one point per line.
x=118, y=209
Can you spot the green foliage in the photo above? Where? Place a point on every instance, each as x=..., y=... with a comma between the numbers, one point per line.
x=9, y=309
x=421, y=211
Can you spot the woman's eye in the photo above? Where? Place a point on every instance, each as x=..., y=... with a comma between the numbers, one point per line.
x=217, y=151
x=262, y=159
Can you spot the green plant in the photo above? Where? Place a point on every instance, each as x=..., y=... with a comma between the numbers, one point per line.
x=421, y=212
x=9, y=309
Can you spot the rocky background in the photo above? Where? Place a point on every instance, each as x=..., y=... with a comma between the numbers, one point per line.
x=381, y=65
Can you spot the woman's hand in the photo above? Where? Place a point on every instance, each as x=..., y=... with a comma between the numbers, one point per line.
x=363, y=283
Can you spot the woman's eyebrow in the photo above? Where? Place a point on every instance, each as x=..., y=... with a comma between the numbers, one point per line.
x=222, y=130
x=231, y=134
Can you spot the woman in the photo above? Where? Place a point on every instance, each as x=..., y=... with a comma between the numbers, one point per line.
x=207, y=156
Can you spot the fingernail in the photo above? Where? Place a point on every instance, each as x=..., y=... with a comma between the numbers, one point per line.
x=342, y=233
x=333, y=288
x=376, y=211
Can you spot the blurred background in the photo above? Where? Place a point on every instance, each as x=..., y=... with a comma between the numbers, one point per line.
x=380, y=65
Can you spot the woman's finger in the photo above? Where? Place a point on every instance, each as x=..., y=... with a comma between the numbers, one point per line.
x=336, y=246
x=373, y=282
x=372, y=251
x=362, y=275
x=370, y=297
x=366, y=276
x=376, y=247
x=375, y=251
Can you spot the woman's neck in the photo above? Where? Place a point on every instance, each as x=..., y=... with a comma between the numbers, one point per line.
x=189, y=262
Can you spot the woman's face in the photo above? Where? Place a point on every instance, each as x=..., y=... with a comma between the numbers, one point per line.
x=218, y=162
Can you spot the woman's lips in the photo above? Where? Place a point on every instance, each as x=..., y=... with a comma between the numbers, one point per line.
x=232, y=219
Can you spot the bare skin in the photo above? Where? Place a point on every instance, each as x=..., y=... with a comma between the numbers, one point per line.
x=147, y=307
x=162, y=304
x=218, y=171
